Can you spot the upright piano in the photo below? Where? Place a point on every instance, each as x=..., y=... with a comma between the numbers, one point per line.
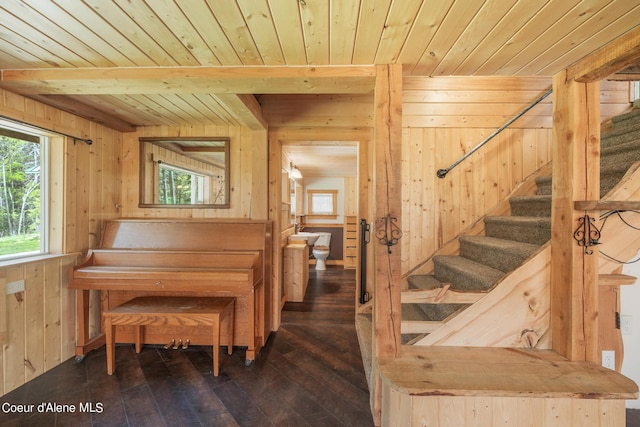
x=137, y=257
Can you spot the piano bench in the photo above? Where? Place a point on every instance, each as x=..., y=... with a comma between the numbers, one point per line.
x=170, y=311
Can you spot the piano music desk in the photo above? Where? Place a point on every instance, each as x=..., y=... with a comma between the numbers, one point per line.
x=170, y=311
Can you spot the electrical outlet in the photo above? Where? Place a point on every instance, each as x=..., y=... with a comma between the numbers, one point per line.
x=609, y=359
x=626, y=324
x=15, y=287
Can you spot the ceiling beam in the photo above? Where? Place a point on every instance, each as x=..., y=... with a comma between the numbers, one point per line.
x=245, y=109
x=613, y=57
x=218, y=80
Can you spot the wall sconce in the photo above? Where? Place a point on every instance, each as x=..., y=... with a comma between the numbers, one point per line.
x=294, y=172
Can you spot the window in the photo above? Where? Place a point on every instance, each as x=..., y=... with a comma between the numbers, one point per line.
x=322, y=203
x=23, y=192
x=179, y=186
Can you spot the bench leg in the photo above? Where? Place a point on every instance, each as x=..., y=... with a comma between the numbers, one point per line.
x=109, y=331
x=216, y=345
x=138, y=338
x=230, y=318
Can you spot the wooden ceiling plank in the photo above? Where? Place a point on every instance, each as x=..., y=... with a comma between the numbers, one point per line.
x=534, y=28
x=171, y=15
x=46, y=50
x=112, y=106
x=203, y=21
x=259, y=21
x=486, y=20
x=53, y=19
x=127, y=25
x=610, y=20
x=427, y=22
x=396, y=29
x=613, y=57
x=149, y=106
x=371, y=21
x=81, y=109
x=128, y=106
x=560, y=30
x=184, y=103
x=516, y=18
x=172, y=107
x=342, y=37
x=210, y=102
x=315, y=19
x=286, y=19
x=230, y=18
x=158, y=29
x=104, y=30
x=446, y=36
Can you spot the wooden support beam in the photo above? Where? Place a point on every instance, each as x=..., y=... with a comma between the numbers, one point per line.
x=616, y=56
x=159, y=80
x=576, y=176
x=245, y=109
x=388, y=208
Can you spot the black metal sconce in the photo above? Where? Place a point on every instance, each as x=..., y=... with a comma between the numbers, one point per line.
x=587, y=234
x=388, y=233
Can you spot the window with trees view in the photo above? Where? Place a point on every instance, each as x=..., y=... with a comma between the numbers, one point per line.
x=21, y=193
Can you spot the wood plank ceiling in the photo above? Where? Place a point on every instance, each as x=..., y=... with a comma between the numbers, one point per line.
x=128, y=63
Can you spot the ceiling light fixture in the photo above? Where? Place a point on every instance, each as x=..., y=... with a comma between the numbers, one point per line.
x=294, y=172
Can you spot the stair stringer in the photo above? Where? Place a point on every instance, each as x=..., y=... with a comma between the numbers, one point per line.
x=514, y=313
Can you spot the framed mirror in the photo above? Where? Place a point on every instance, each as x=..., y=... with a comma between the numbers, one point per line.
x=184, y=172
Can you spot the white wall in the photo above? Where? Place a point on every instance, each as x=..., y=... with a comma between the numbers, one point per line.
x=629, y=305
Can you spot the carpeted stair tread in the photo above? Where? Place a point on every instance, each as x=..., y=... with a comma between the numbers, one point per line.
x=465, y=274
x=627, y=118
x=620, y=135
x=536, y=205
x=527, y=229
x=501, y=254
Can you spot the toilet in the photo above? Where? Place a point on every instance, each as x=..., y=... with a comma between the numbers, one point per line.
x=321, y=250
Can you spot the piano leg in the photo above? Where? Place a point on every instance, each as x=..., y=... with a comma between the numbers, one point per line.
x=85, y=344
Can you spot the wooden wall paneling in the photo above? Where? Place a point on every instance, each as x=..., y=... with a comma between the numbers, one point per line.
x=34, y=320
x=52, y=313
x=402, y=410
x=3, y=313
x=14, y=350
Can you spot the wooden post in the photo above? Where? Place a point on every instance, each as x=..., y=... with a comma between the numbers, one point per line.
x=576, y=177
x=388, y=207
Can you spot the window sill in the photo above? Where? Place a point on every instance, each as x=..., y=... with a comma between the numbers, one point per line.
x=34, y=258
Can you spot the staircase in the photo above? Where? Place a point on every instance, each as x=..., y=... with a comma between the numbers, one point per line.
x=434, y=301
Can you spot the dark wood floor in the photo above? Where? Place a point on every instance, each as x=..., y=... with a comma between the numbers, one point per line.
x=309, y=374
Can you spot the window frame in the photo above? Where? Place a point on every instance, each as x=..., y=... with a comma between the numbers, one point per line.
x=45, y=141
x=334, y=201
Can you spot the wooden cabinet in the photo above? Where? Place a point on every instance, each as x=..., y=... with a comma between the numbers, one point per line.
x=296, y=271
x=351, y=242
